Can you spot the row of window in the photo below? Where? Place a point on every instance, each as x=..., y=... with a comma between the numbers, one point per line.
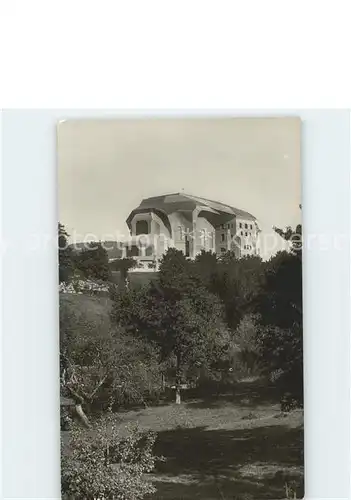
x=142, y=227
x=232, y=226
x=223, y=236
x=246, y=225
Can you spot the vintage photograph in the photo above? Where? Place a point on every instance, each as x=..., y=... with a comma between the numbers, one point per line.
x=180, y=292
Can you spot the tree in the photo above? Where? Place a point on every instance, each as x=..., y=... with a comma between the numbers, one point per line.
x=92, y=262
x=294, y=237
x=100, y=366
x=102, y=372
x=205, y=267
x=123, y=266
x=280, y=308
x=177, y=314
x=237, y=282
x=66, y=265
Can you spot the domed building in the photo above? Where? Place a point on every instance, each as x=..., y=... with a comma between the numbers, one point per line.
x=190, y=224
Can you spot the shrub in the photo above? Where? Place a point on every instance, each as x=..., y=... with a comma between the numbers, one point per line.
x=281, y=353
x=245, y=357
x=100, y=464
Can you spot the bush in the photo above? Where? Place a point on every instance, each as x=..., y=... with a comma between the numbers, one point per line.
x=280, y=333
x=281, y=352
x=246, y=360
x=100, y=464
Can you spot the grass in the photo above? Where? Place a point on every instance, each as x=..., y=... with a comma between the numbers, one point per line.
x=137, y=279
x=222, y=449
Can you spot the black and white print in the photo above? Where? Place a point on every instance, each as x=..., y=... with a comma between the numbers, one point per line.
x=180, y=283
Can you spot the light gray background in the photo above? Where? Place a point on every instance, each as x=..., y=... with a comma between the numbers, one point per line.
x=30, y=449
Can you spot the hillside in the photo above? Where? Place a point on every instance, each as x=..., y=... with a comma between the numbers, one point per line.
x=85, y=314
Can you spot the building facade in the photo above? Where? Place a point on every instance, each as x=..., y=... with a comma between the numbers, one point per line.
x=190, y=224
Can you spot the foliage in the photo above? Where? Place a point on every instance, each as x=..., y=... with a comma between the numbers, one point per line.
x=100, y=464
x=65, y=255
x=293, y=236
x=92, y=262
x=280, y=335
x=100, y=365
x=244, y=354
x=281, y=354
x=79, y=286
x=280, y=299
x=178, y=314
x=235, y=281
x=205, y=267
x=123, y=266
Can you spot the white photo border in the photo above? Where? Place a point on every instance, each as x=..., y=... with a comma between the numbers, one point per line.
x=30, y=361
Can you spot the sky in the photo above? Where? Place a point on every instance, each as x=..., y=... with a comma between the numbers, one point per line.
x=106, y=167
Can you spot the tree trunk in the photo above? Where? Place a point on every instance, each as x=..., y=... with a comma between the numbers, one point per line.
x=178, y=398
x=163, y=382
x=178, y=381
x=82, y=416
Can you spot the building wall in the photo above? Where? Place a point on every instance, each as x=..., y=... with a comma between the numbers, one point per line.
x=247, y=231
x=181, y=232
x=225, y=234
x=238, y=235
x=205, y=236
x=157, y=237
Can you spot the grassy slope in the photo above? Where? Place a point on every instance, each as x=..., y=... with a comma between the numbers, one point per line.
x=87, y=314
x=235, y=447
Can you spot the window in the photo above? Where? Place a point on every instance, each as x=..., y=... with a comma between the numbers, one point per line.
x=222, y=237
x=240, y=224
x=242, y=233
x=245, y=233
x=250, y=226
x=245, y=226
x=223, y=250
x=142, y=227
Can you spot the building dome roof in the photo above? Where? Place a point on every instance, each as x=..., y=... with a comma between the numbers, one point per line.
x=166, y=204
